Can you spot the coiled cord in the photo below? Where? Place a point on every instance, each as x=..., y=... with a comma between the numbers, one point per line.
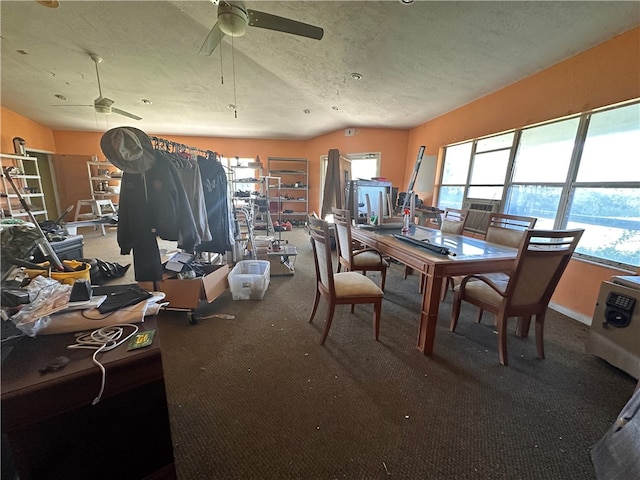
x=103, y=340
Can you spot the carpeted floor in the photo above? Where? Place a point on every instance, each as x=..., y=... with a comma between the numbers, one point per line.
x=257, y=397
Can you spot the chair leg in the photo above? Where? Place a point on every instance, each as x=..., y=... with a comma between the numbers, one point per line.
x=331, y=310
x=479, y=319
x=502, y=339
x=522, y=327
x=455, y=312
x=540, y=334
x=407, y=271
x=445, y=288
x=377, y=309
x=383, y=279
x=316, y=301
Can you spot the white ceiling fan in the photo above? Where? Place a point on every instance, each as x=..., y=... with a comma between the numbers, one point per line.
x=233, y=19
x=103, y=104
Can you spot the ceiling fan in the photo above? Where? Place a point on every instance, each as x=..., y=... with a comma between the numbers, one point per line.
x=103, y=104
x=233, y=19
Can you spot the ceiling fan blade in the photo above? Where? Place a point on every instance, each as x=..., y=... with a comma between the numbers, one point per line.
x=126, y=114
x=281, y=24
x=71, y=105
x=212, y=40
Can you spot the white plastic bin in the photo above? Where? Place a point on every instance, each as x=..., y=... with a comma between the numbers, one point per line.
x=249, y=279
x=263, y=241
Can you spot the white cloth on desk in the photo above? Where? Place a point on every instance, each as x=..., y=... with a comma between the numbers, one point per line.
x=92, y=319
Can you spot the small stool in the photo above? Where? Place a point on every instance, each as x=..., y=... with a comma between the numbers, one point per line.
x=99, y=209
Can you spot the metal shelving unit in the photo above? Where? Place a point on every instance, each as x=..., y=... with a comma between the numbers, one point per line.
x=290, y=199
x=26, y=177
x=105, y=179
x=246, y=208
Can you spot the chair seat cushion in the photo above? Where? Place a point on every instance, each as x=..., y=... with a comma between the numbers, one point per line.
x=354, y=284
x=481, y=291
x=366, y=259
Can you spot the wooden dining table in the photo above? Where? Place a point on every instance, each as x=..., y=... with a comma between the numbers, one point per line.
x=465, y=256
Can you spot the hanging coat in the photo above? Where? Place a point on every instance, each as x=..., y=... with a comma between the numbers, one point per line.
x=153, y=204
x=189, y=174
x=216, y=196
x=136, y=229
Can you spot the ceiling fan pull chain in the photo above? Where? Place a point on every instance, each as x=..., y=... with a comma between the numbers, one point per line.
x=233, y=63
x=221, y=69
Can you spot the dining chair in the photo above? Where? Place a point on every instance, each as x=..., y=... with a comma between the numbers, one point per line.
x=508, y=230
x=503, y=229
x=525, y=291
x=452, y=221
x=352, y=258
x=344, y=288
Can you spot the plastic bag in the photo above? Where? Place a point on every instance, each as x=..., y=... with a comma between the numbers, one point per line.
x=46, y=296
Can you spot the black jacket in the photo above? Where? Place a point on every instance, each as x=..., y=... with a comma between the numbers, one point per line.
x=153, y=204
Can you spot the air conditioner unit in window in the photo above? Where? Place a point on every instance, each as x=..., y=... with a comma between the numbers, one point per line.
x=479, y=212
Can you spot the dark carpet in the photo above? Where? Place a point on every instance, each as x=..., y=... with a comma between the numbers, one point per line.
x=257, y=397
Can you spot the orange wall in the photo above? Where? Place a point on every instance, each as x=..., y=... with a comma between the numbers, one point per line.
x=87, y=143
x=35, y=135
x=392, y=144
x=606, y=74
x=603, y=75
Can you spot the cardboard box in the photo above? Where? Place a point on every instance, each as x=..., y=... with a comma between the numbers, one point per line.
x=188, y=294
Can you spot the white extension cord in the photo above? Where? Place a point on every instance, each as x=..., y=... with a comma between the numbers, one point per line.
x=103, y=340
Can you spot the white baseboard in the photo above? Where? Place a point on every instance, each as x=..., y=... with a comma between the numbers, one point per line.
x=570, y=313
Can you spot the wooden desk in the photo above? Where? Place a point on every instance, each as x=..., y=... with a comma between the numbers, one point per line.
x=471, y=256
x=54, y=431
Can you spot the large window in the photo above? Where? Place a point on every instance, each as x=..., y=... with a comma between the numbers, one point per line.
x=540, y=171
x=455, y=175
x=578, y=172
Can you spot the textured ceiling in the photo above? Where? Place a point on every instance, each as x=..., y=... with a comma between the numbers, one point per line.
x=418, y=61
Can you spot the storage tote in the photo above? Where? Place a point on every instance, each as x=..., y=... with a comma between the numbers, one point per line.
x=249, y=279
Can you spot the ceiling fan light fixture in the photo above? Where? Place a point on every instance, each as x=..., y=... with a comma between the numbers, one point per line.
x=106, y=109
x=232, y=20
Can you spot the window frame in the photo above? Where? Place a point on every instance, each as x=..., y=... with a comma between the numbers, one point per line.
x=568, y=187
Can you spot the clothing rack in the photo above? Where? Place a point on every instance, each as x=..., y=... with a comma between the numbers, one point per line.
x=175, y=147
x=177, y=150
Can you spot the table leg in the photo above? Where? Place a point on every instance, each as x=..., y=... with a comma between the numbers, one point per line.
x=431, y=291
